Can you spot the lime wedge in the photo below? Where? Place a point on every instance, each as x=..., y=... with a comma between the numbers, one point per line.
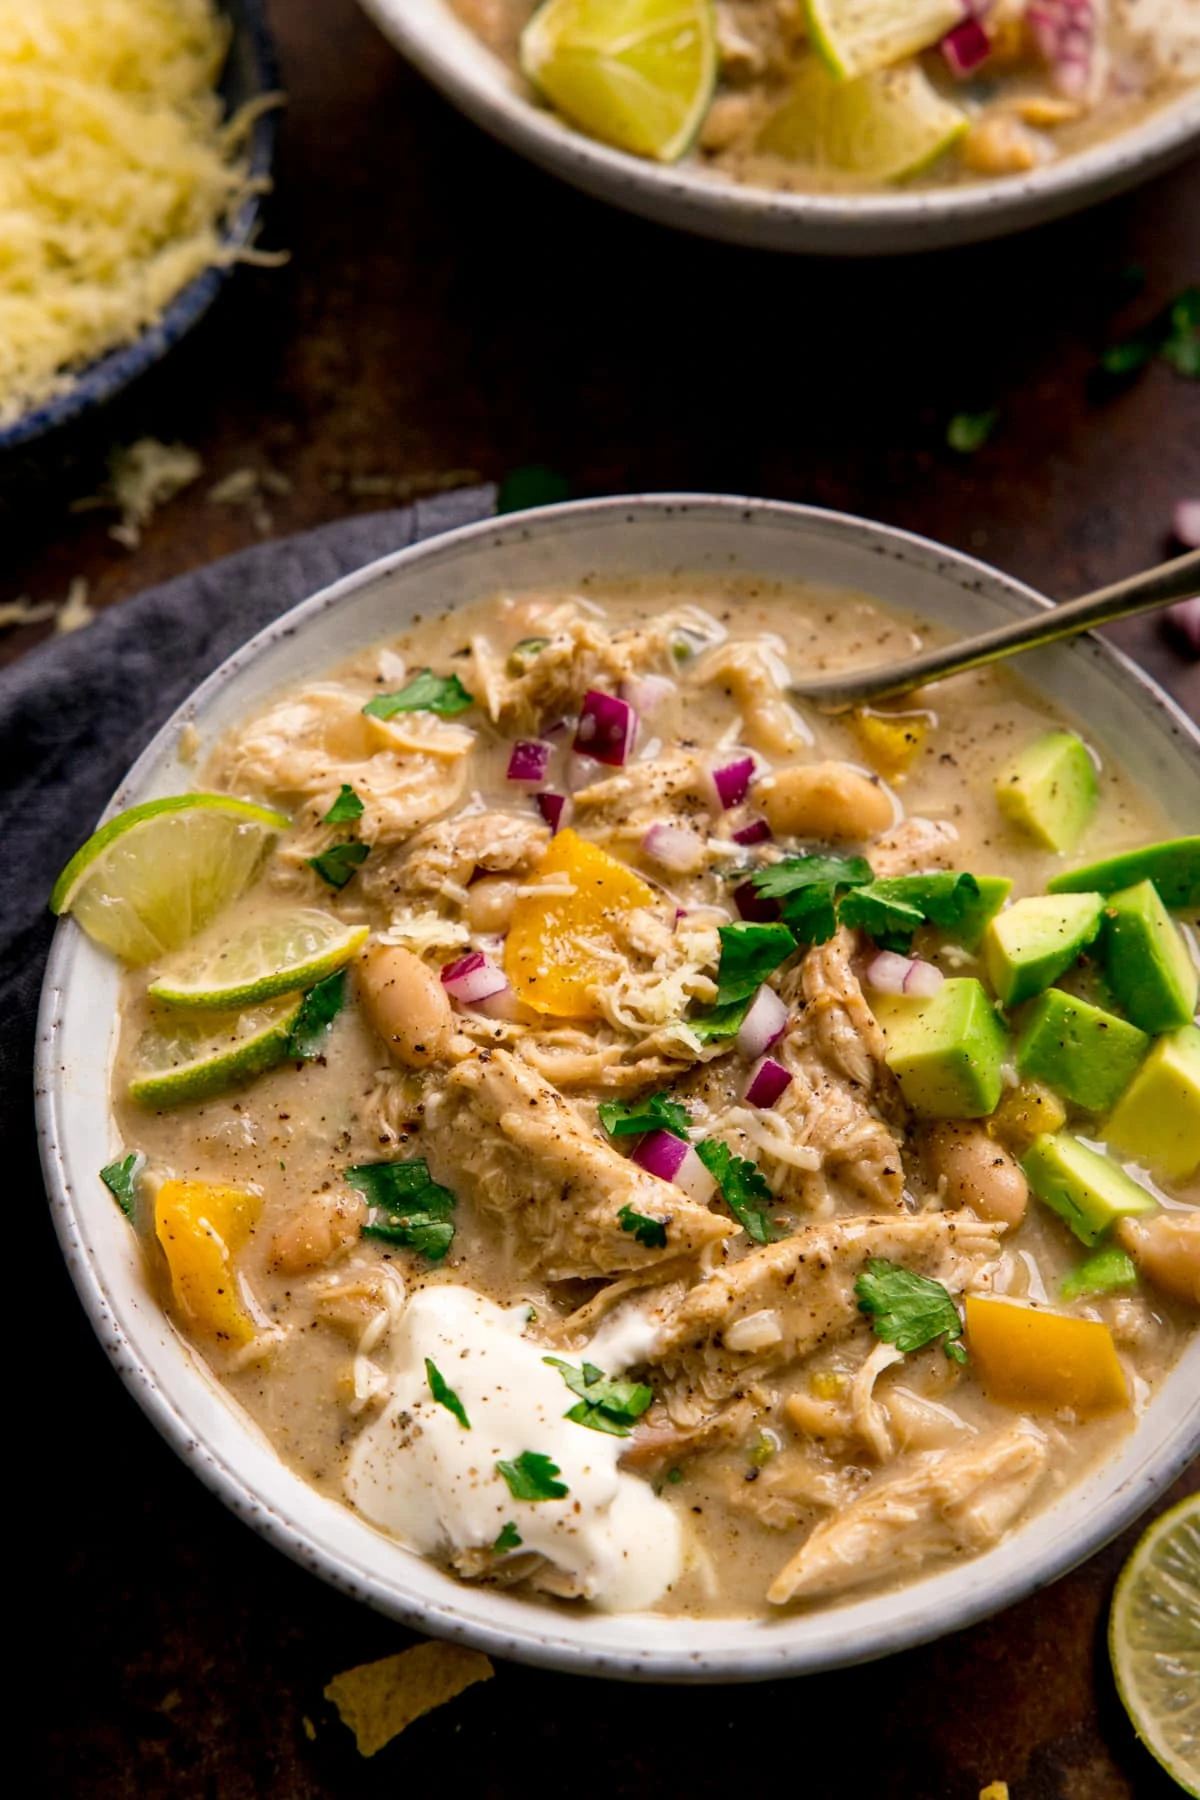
x=189, y=1056
x=155, y=875
x=854, y=37
x=1154, y=1641
x=636, y=73
x=881, y=127
x=274, y=955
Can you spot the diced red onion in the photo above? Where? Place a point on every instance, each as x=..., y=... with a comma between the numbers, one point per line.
x=754, y=907
x=529, y=760
x=763, y=1025
x=555, y=809
x=607, y=727
x=966, y=48
x=756, y=832
x=1185, y=525
x=661, y=1153
x=1184, y=622
x=473, y=978
x=1065, y=34
x=646, y=693
x=732, y=781
x=768, y=1079
x=674, y=847
x=890, y=973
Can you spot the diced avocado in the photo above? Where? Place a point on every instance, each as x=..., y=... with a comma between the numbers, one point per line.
x=1050, y=789
x=1088, y=1055
x=1102, y=1272
x=1148, y=963
x=1157, y=1118
x=1086, y=1189
x=1173, y=867
x=981, y=910
x=946, y=1052
x=1036, y=940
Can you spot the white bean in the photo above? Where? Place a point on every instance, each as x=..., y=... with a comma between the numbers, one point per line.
x=406, y=1003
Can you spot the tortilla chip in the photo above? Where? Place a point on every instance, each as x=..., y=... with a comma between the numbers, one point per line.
x=995, y=1790
x=379, y=1700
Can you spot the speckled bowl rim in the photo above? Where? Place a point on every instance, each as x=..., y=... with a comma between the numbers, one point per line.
x=1068, y=1531
x=98, y=381
x=436, y=42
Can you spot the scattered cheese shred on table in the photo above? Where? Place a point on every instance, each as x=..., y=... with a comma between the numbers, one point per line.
x=117, y=168
x=381, y=1699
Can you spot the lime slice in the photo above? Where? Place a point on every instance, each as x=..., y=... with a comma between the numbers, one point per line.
x=636, y=73
x=1154, y=1641
x=188, y=1056
x=881, y=127
x=274, y=955
x=854, y=37
x=155, y=875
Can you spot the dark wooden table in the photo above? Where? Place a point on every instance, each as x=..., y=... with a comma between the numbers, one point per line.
x=447, y=309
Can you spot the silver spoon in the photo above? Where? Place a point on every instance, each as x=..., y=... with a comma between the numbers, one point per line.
x=1176, y=580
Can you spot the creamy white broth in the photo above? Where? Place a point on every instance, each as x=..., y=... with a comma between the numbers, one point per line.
x=769, y=1451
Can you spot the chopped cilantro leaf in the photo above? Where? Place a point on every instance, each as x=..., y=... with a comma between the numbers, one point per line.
x=444, y=1395
x=1100, y=1273
x=743, y=1187
x=604, y=1405
x=1129, y=356
x=535, y=485
x=415, y=1209
x=968, y=432
x=674, y=1476
x=337, y=864
x=658, y=1112
x=749, y=953
x=509, y=1539
x=426, y=692
x=319, y=1008
x=531, y=1476
x=650, y=1232
x=1181, y=342
x=890, y=910
x=808, y=889
x=120, y=1178
x=347, y=806
x=908, y=1310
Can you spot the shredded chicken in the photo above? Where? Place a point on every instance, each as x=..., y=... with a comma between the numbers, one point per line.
x=958, y=1501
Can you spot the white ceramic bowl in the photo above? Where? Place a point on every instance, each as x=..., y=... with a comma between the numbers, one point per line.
x=76, y=1040
x=439, y=44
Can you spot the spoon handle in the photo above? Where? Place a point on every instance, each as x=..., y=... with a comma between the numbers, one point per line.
x=1151, y=588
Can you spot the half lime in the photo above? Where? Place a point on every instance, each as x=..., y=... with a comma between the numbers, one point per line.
x=853, y=37
x=1154, y=1641
x=638, y=74
x=277, y=954
x=154, y=876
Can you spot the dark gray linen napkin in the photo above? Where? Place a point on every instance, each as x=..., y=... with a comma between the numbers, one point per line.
x=77, y=710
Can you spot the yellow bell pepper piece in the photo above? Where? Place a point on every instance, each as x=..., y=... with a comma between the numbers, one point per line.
x=555, y=952
x=201, y=1227
x=1044, y=1360
x=891, y=742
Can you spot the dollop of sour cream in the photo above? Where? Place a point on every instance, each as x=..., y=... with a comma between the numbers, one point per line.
x=420, y=1475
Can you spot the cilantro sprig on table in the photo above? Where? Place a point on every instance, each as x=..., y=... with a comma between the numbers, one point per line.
x=1173, y=334
x=319, y=1008
x=532, y=1476
x=416, y=1209
x=121, y=1178
x=907, y=1309
x=604, y=1405
x=650, y=1232
x=632, y=1118
x=445, y=1395
x=743, y=1187
x=426, y=692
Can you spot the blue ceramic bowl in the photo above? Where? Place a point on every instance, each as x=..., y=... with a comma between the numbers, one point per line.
x=250, y=70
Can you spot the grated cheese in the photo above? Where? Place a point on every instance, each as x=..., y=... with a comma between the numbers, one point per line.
x=117, y=169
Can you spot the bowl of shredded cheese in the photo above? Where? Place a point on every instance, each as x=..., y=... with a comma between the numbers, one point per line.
x=136, y=139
